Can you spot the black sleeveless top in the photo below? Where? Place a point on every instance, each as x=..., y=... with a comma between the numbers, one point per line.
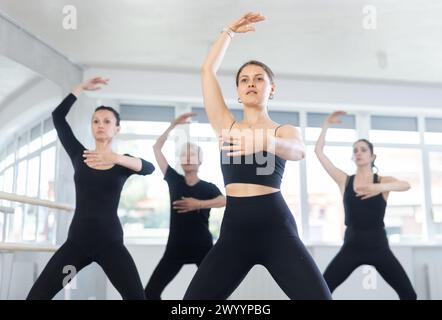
x=363, y=214
x=263, y=168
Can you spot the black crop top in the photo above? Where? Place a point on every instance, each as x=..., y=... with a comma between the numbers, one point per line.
x=263, y=168
x=363, y=214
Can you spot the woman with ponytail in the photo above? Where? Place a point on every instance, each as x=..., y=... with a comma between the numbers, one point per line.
x=365, y=197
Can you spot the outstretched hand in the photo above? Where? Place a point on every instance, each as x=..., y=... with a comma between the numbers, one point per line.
x=334, y=117
x=245, y=23
x=183, y=119
x=94, y=83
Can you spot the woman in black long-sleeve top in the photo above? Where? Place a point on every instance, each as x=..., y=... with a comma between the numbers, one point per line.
x=95, y=234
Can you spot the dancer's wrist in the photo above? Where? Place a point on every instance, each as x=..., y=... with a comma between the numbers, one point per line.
x=229, y=31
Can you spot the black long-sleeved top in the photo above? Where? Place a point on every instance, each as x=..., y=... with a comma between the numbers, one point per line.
x=95, y=221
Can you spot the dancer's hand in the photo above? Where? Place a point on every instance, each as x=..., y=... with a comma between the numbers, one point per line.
x=186, y=205
x=94, y=83
x=90, y=85
x=369, y=191
x=334, y=118
x=245, y=23
x=183, y=119
x=242, y=143
x=96, y=159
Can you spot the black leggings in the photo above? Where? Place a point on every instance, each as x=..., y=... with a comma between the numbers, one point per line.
x=258, y=230
x=115, y=260
x=369, y=247
x=166, y=270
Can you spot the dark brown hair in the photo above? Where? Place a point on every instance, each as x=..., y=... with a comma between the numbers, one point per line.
x=116, y=114
x=269, y=71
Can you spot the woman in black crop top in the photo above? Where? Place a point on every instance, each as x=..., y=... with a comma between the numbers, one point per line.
x=365, y=199
x=258, y=227
x=95, y=234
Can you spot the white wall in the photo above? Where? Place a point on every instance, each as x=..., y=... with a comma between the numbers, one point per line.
x=292, y=93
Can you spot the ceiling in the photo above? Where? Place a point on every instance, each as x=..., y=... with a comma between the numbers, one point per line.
x=14, y=78
x=300, y=38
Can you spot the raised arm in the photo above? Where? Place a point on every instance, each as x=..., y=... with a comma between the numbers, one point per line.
x=64, y=131
x=219, y=115
x=157, y=147
x=337, y=174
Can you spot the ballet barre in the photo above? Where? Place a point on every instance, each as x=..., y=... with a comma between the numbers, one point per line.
x=8, y=250
x=36, y=202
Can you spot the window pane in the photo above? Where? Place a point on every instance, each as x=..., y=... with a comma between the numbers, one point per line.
x=47, y=174
x=15, y=224
x=145, y=200
x=22, y=146
x=290, y=191
x=436, y=186
x=35, y=144
x=144, y=127
x=326, y=212
x=404, y=215
x=32, y=181
x=21, y=177
x=30, y=223
x=333, y=134
x=49, y=137
x=2, y=223
x=8, y=180
x=433, y=138
x=1, y=182
x=390, y=136
x=9, y=159
x=2, y=163
x=210, y=170
x=201, y=130
x=46, y=225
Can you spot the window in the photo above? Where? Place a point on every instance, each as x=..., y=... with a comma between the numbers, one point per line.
x=21, y=177
x=27, y=167
x=210, y=171
x=402, y=130
x=404, y=216
x=344, y=132
x=8, y=180
x=291, y=192
x=33, y=177
x=326, y=211
x=145, y=200
x=23, y=146
x=144, y=205
x=47, y=174
x=46, y=225
x=433, y=131
x=49, y=133
x=436, y=186
x=35, y=142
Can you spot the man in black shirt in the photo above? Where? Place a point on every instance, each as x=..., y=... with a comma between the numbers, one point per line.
x=190, y=202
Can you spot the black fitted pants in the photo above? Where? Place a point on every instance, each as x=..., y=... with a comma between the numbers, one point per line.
x=368, y=247
x=258, y=230
x=114, y=259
